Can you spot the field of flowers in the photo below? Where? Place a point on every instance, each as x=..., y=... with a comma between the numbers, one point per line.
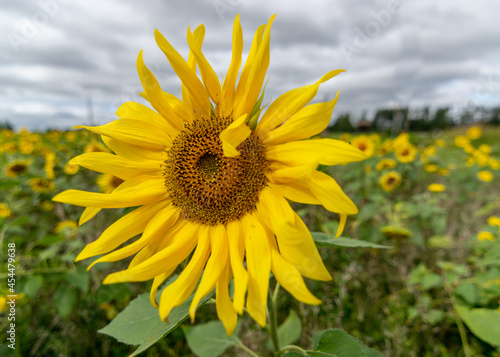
x=432, y=199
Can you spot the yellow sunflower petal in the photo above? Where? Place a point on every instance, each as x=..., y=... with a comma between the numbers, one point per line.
x=156, y=284
x=258, y=257
x=133, y=152
x=161, y=222
x=229, y=86
x=297, y=191
x=210, y=80
x=117, y=166
x=233, y=136
x=148, y=191
x=215, y=265
x=322, y=151
x=290, y=103
x=307, y=122
x=155, y=95
x=199, y=34
x=289, y=277
x=225, y=309
x=236, y=240
x=88, y=214
x=194, y=86
x=284, y=174
x=329, y=193
x=253, y=73
x=177, y=292
x=343, y=220
x=294, y=239
x=122, y=230
x=183, y=242
x=137, y=111
x=137, y=132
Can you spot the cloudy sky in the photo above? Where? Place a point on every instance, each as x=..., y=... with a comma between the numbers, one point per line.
x=70, y=62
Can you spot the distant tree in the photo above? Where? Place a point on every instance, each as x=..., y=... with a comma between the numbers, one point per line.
x=494, y=116
x=441, y=119
x=6, y=125
x=383, y=119
x=343, y=124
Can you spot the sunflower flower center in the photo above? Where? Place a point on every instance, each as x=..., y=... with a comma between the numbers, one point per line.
x=208, y=187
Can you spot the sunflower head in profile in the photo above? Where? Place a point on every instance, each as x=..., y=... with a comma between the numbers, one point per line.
x=211, y=181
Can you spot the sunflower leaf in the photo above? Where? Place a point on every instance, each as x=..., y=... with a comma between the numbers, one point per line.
x=140, y=323
x=210, y=339
x=329, y=241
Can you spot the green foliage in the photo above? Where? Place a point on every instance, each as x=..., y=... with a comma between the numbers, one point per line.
x=210, y=339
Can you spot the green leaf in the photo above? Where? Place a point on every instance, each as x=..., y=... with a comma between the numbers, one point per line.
x=294, y=354
x=326, y=240
x=337, y=343
x=289, y=331
x=65, y=299
x=140, y=323
x=210, y=339
x=484, y=323
x=32, y=286
x=79, y=278
x=468, y=292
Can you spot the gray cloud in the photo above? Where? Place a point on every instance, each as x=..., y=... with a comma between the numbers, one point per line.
x=403, y=52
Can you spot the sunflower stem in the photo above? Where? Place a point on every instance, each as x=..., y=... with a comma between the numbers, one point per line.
x=273, y=321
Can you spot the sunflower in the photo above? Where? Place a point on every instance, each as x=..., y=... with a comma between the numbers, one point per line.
x=485, y=176
x=108, y=183
x=41, y=185
x=386, y=164
x=474, y=132
x=390, y=181
x=4, y=210
x=211, y=182
x=436, y=187
x=365, y=144
x=17, y=168
x=406, y=152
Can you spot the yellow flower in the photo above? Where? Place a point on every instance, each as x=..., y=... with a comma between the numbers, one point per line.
x=405, y=153
x=47, y=206
x=494, y=221
x=474, y=132
x=3, y=303
x=485, y=176
x=444, y=172
x=494, y=163
x=430, y=150
x=385, y=164
x=390, y=181
x=41, y=185
x=95, y=146
x=483, y=235
x=485, y=149
x=401, y=139
x=365, y=144
x=71, y=136
x=108, y=183
x=211, y=182
x=70, y=169
x=462, y=141
x=385, y=148
x=469, y=149
x=431, y=168
x=4, y=210
x=345, y=137
x=440, y=142
x=49, y=165
x=68, y=228
x=17, y=168
x=436, y=187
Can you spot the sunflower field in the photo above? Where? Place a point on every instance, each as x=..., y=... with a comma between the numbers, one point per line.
x=423, y=279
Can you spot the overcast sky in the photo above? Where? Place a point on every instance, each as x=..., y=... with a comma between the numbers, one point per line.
x=57, y=56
